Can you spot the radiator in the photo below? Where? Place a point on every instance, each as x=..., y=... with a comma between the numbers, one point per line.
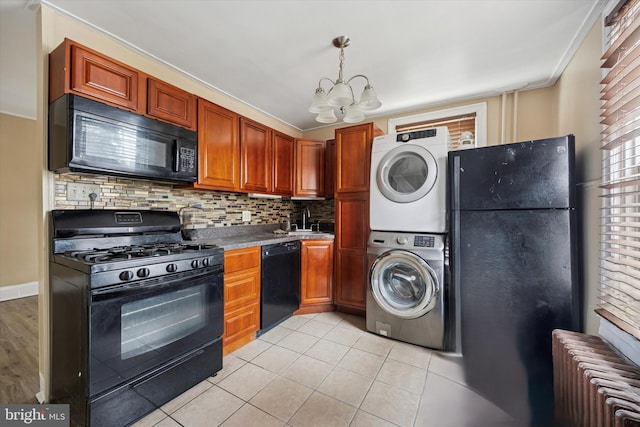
x=593, y=385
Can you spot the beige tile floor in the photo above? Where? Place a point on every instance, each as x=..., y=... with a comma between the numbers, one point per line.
x=326, y=370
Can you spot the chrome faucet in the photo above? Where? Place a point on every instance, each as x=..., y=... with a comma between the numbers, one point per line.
x=305, y=217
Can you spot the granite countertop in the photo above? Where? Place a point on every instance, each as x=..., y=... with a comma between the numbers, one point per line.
x=244, y=236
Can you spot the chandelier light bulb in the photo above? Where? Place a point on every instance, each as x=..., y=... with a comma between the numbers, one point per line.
x=369, y=100
x=319, y=102
x=353, y=114
x=327, y=116
x=340, y=95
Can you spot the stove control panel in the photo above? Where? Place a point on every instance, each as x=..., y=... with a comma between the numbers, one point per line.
x=151, y=270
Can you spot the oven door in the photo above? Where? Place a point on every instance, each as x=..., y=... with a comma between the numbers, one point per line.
x=140, y=326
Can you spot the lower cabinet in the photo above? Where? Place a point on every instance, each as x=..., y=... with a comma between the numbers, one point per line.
x=316, y=281
x=241, y=297
x=352, y=234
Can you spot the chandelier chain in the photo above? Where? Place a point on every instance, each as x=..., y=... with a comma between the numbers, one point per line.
x=340, y=79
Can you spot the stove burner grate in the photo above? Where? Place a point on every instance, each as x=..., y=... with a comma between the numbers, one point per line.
x=119, y=253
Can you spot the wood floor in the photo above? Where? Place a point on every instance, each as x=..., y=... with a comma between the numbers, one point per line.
x=19, y=350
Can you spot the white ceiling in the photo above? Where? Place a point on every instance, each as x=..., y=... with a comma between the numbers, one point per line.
x=271, y=54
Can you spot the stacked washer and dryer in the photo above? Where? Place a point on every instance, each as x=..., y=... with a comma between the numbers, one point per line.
x=408, y=295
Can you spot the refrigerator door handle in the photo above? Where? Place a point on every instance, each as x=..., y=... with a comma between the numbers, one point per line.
x=455, y=178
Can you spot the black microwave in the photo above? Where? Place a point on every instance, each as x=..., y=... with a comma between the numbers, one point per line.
x=88, y=136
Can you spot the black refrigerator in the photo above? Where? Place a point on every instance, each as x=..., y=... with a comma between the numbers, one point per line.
x=515, y=267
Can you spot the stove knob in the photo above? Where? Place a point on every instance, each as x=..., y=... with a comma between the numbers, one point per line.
x=143, y=272
x=194, y=263
x=205, y=262
x=172, y=268
x=402, y=240
x=126, y=275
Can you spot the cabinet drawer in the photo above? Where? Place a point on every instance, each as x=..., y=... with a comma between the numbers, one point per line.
x=241, y=259
x=241, y=322
x=241, y=289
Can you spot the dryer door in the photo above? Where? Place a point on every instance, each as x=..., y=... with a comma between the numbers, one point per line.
x=403, y=284
x=406, y=173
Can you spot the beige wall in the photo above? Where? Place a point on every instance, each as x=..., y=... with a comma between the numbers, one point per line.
x=535, y=117
x=19, y=171
x=578, y=111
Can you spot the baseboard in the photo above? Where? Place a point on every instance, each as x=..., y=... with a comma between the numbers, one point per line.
x=18, y=291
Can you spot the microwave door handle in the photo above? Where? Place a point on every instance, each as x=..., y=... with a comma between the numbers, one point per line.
x=176, y=155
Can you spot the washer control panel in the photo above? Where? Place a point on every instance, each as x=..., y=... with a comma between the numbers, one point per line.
x=424, y=241
x=407, y=241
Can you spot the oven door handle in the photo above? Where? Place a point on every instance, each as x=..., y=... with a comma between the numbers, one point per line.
x=178, y=281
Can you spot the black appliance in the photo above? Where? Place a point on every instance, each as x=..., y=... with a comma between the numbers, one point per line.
x=136, y=314
x=88, y=136
x=514, y=249
x=280, y=283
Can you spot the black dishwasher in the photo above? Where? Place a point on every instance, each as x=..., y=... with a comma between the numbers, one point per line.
x=280, y=283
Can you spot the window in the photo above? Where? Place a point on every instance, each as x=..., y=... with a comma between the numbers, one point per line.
x=470, y=118
x=620, y=247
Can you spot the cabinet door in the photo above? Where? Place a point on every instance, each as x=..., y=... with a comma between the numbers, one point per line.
x=171, y=104
x=352, y=233
x=317, y=272
x=353, y=154
x=241, y=297
x=282, y=152
x=309, y=168
x=101, y=78
x=218, y=148
x=255, y=155
x=330, y=169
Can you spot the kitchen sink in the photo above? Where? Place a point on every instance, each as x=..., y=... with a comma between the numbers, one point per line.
x=305, y=232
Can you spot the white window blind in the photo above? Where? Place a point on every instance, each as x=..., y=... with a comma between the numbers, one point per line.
x=620, y=254
x=455, y=124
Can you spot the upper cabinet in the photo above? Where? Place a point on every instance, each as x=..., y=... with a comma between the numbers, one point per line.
x=330, y=169
x=282, y=164
x=309, y=168
x=171, y=104
x=239, y=154
x=255, y=156
x=74, y=68
x=353, y=158
x=218, y=148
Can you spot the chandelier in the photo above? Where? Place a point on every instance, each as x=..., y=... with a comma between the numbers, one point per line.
x=341, y=95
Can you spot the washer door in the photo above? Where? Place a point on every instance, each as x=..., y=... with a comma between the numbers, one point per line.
x=407, y=173
x=403, y=284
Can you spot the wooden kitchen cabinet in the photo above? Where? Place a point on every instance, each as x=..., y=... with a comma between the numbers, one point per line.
x=309, y=168
x=171, y=104
x=352, y=233
x=353, y=157
x=255, y=156
x=241, y=297
x=316, y=281
x=282, y=164
x=74, y=68
x=330, y=169
x=353, y=162
x=218, y=148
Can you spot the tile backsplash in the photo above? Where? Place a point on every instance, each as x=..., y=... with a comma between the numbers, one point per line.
x=198, y=208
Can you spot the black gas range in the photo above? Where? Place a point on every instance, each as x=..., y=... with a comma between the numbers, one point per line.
x=136, y=312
